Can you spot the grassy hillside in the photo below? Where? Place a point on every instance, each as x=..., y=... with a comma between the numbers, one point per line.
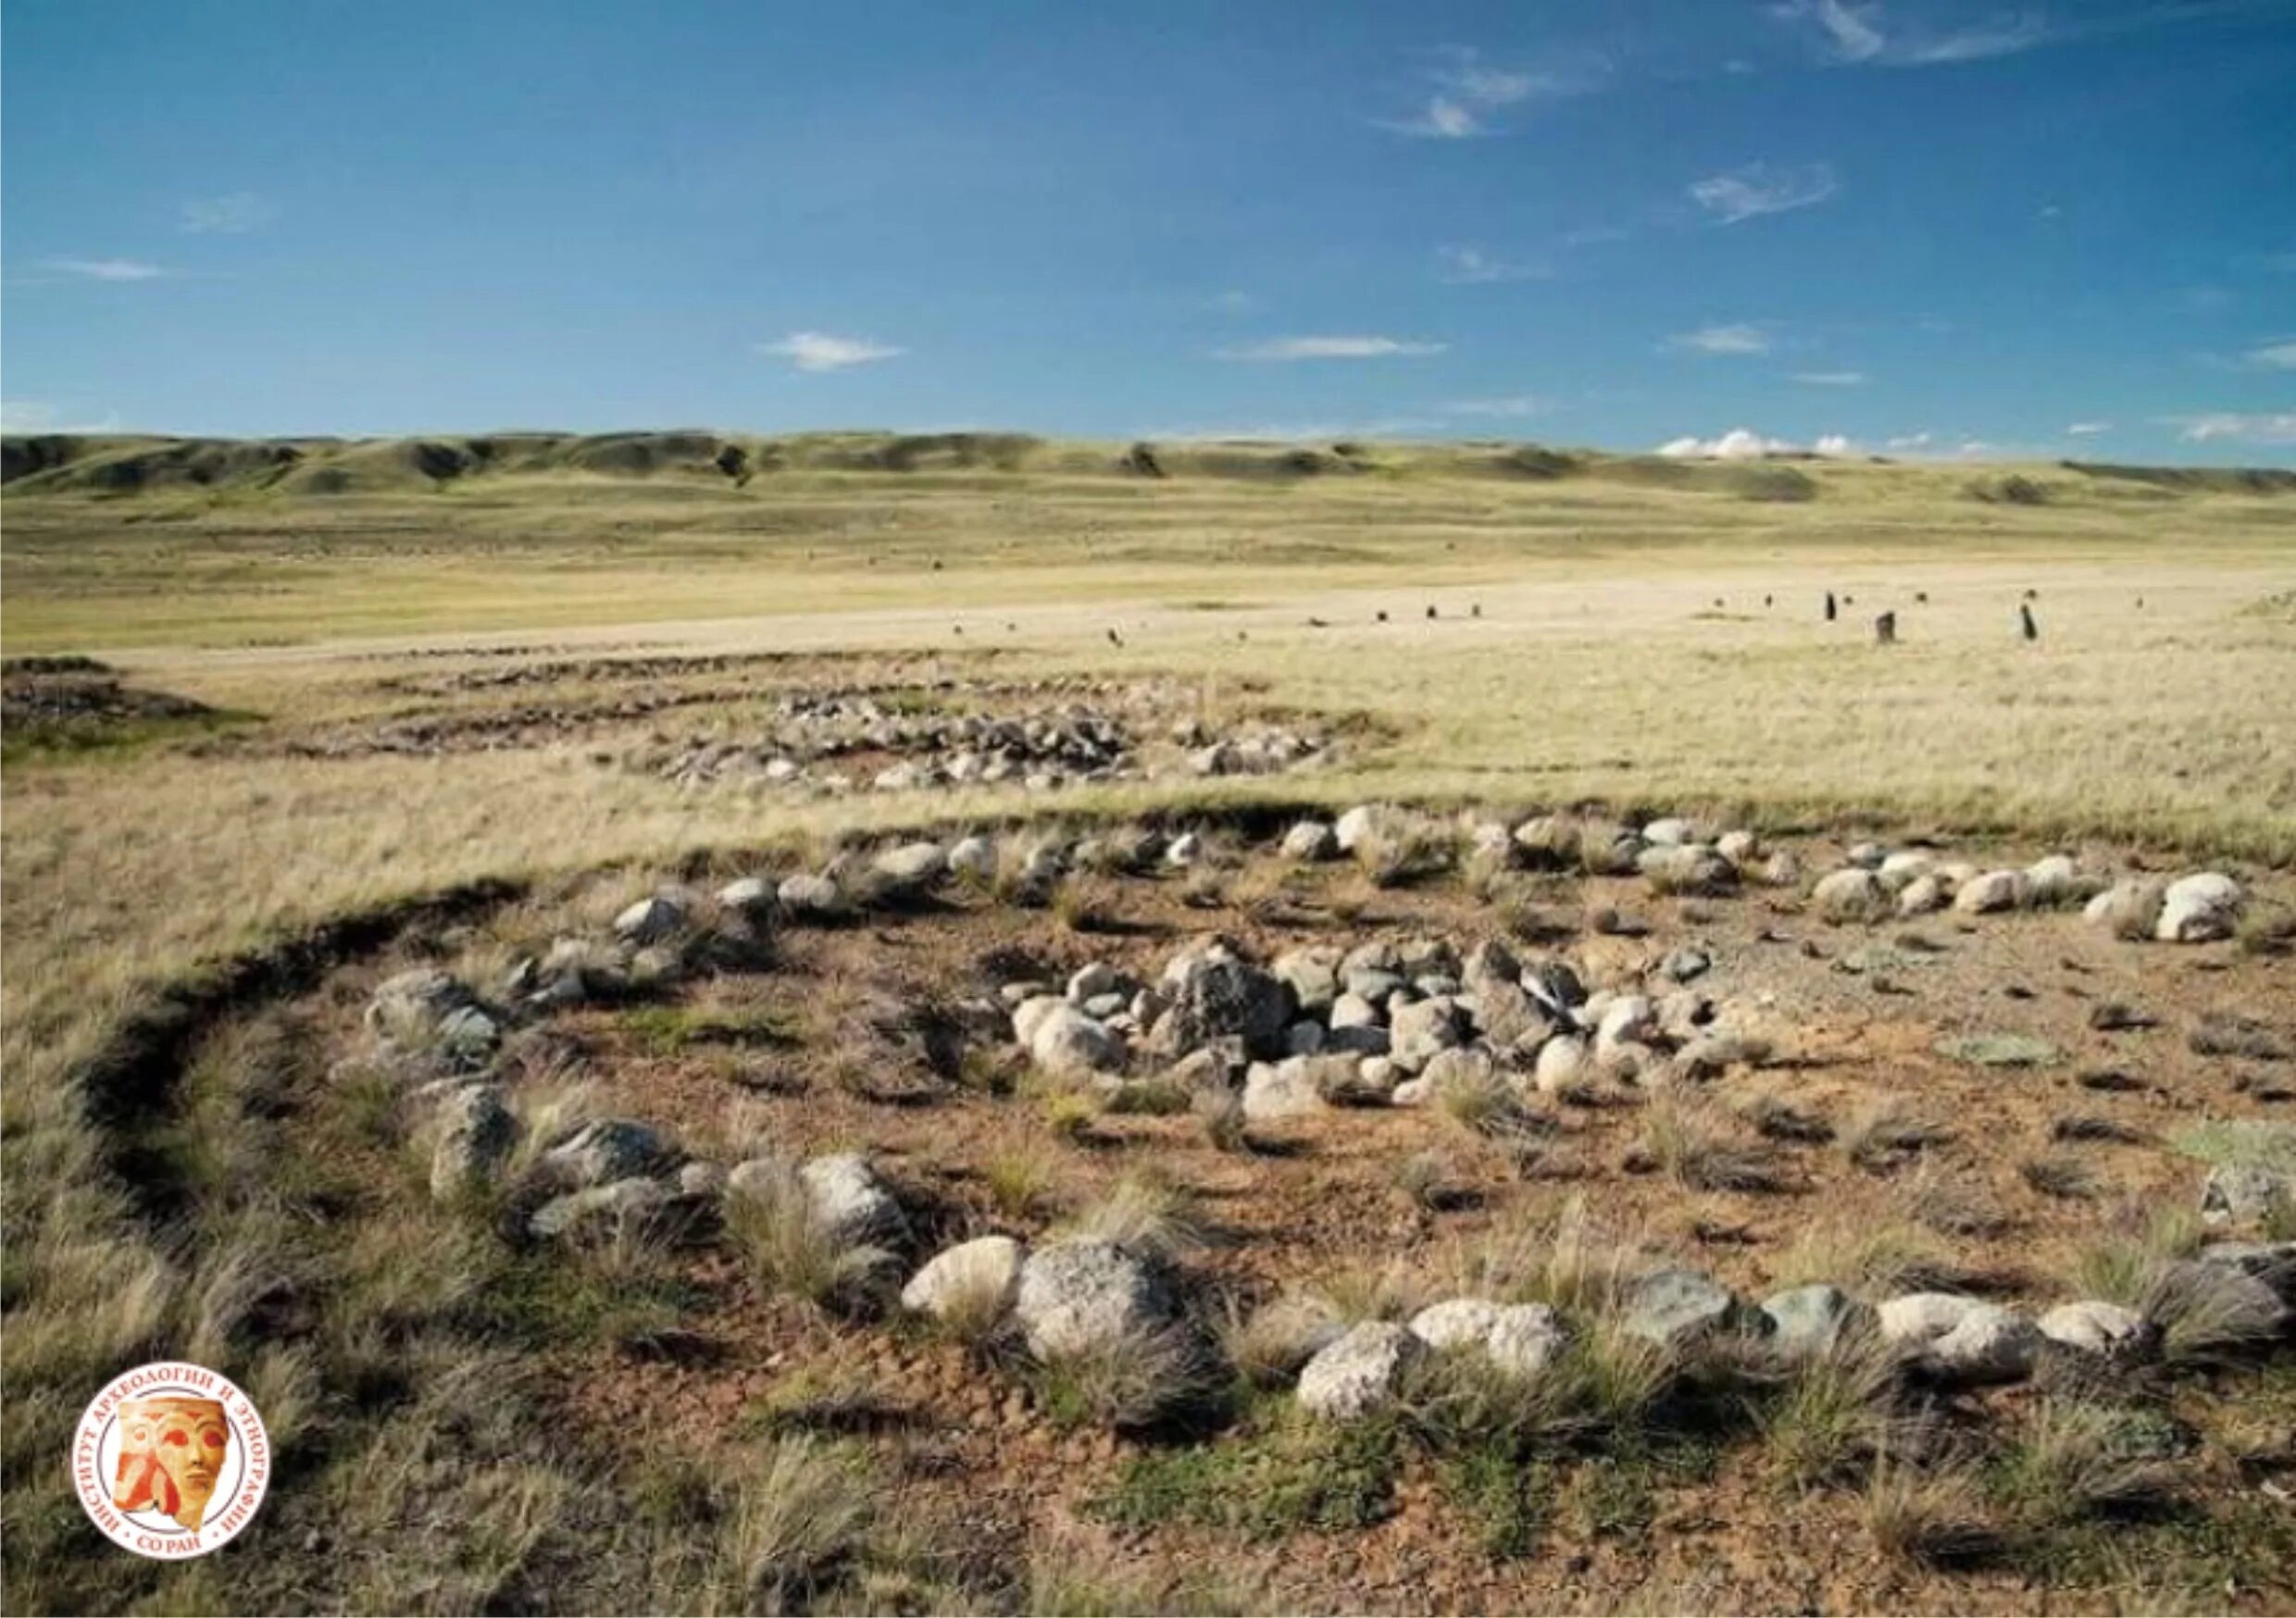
x=65, y=464
x=127, y=543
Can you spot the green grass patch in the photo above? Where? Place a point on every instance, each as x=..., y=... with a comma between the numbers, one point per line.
x=671, y=1030
x=1296, y=1477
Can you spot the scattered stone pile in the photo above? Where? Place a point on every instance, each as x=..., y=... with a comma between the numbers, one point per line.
x=843, y=742
x=1387, y=1023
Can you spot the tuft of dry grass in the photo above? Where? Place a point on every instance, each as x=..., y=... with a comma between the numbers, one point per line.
x=1019, y=1182
x=1150, y=1217
x=1864, y=1255
x=796, y=1520
x=1884, y=1133
x=1694, y=1144
x=1835, y=1416
x=1131, y=1382
x=1934, y=1517
x=1266, y=1344
x=1219, y=1113
x=772, y=1222
x=2061, y=1175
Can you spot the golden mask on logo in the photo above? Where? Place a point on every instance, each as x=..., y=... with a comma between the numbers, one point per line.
x=171, y=1452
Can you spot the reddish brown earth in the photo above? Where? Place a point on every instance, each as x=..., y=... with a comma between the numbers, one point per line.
x=1318, y=1197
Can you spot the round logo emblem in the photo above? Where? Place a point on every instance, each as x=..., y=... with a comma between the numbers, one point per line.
x=170, y=1460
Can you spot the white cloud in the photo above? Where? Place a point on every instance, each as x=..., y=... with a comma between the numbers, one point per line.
x=1757, y=188
x=2088, y=429
x=1466, y=92
x=1296, y=348
x=1507, y=405
x=1861, y=34
x=1739, y=338
x=110, y=270
x=1911, y=441
x=227, y=215
x=1743, y=443
x=2274, y=356
x=817, y=351
x=2239, y=426
x=1469, y=265
x=1830, y=379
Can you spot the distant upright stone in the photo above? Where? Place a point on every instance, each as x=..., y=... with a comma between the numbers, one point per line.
x=1884, y=629
x=1829, y=606
x=2025, y=619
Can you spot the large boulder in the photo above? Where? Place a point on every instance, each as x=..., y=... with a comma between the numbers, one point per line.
x=606, y=1150
x=851, y=1201
x=1065, y=1042
x=1961, y=1341
x=973, y=859
x=1416, y=1031
x=1852, y=894
x=1993, y=891
x=1359, y=1374
x=987, y=1268
x=1687, y=869
x=2095, y=1326
x=1312, y=975
x=811, y=898
x=1673, y=1307
x=1311, y=839
x=1808, y=1322
x=652, y=918
x=2199, y=908
x=429, y=1011
x=1087, y=1296
x=1212, y=993
x=1520, y=1339
x=603, y=1210
x=473, y=1132
x=1562, y=1062
x=909, y=869
x=2130, y=908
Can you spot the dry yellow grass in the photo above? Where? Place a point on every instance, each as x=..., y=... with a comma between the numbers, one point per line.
x=1598, y=667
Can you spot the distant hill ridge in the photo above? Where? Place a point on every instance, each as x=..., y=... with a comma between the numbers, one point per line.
x=126, y=466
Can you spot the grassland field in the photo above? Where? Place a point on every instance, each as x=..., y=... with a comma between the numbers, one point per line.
x=1600, y=630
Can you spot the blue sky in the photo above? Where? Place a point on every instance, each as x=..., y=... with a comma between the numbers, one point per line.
x=1908, y=228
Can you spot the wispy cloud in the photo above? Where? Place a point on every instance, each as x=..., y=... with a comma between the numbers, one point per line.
x=1464, y=265
x=1864, y=35
x=1235, y=302
x=231, y=214
x=1298, y=348
x=817, y=351
x=1830, y=379
x=1743, y=443
x=1467, y=92
x=2088, y=429
x=1757, y=188
x=1911, y=440
x=109, y=269
x=1739, y=338
x=2272, y=356
x=1508, y=405
x=2236, y=426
